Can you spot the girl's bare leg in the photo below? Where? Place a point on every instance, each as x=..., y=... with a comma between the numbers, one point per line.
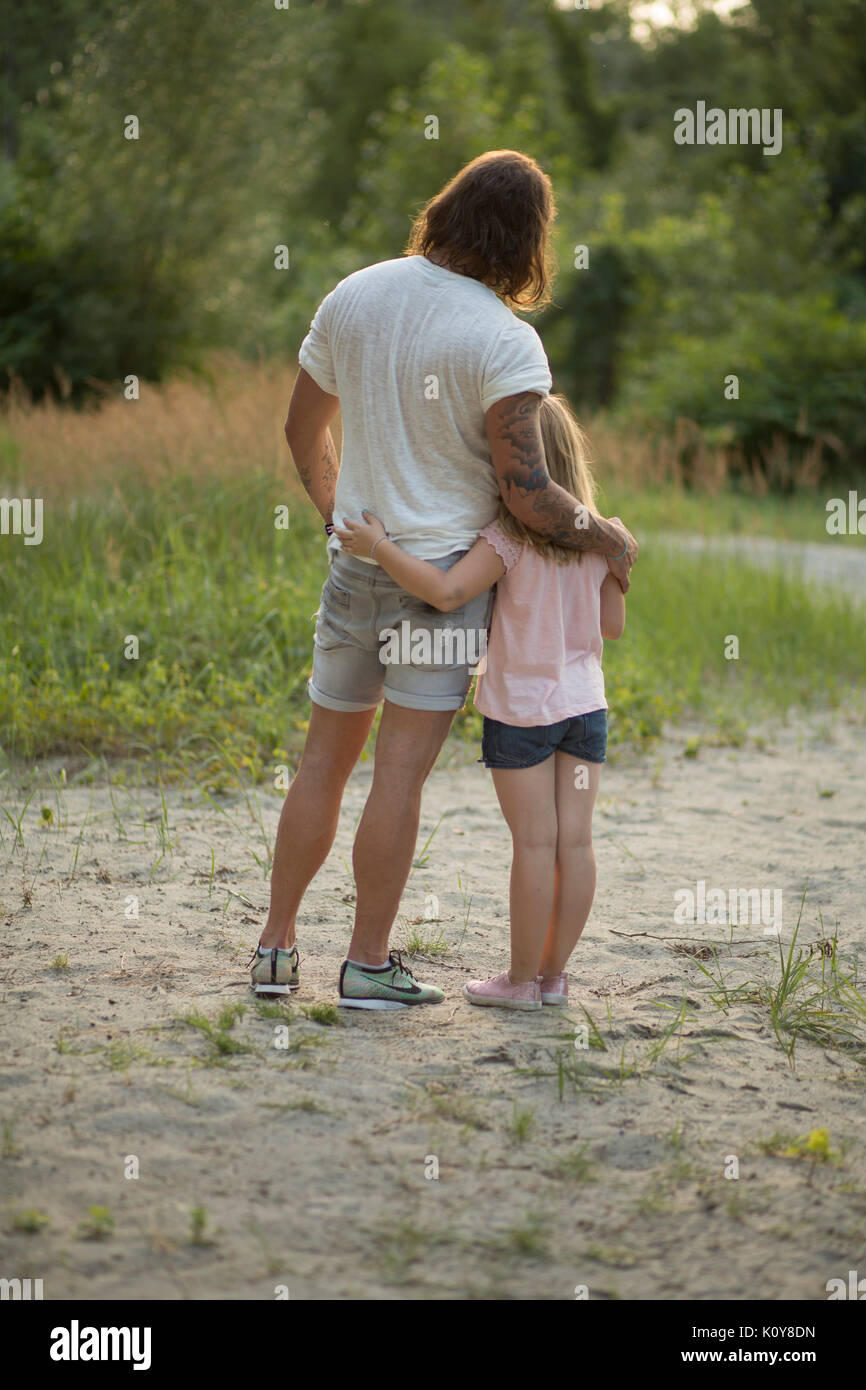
x=575, y=860
x=528, y=801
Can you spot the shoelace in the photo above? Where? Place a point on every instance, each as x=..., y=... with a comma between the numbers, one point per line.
x=396, y=959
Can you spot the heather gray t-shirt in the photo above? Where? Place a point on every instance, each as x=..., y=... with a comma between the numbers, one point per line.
x=417, y=354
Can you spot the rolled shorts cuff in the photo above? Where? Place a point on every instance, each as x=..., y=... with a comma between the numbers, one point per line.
x=434, y=703
x=341, y=706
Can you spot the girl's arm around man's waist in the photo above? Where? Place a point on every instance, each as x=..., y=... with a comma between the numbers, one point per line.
x=446, y=590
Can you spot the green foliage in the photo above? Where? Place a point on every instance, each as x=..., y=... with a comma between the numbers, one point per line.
x=306, y=128
x=800, y=364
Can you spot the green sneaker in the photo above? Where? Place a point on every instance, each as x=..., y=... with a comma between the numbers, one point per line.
x=274, y=971
x=391, y=986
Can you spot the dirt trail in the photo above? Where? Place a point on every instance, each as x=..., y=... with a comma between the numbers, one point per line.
x=838, y=566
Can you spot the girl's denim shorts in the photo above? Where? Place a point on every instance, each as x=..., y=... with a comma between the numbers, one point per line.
x=584, y=736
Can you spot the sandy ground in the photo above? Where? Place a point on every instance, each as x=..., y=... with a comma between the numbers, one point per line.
x=311, y=1161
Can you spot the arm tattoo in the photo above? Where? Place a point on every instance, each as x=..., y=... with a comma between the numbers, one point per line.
x=554, y=516
x=525, y=479
x=319, y=474
x=330, y=465
x=518, y=430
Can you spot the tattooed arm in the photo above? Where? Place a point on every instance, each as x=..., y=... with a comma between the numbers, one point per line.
x=531, y=495
x=309, y=437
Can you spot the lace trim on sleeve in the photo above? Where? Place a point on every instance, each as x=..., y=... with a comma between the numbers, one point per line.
x=506, y=547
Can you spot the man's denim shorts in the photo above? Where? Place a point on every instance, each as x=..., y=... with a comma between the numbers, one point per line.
x=426, y=664
x=584, y=736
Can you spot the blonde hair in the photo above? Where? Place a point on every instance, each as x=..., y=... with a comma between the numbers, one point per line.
x=566, y=449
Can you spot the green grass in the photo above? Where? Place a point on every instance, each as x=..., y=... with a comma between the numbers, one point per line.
x=198, y=1218
x=222, y=605
x=267, y=1008
x=31, y=1221
x=98, y=1224
x=445, y=1101
x=327, y=1014
x=572, y=1065
x=814, y=1146
x=522, y=1123
x=813, y=998
x=399, y=1245
x=418, y=942
x=613, y=1256
x=120, y=1055
x=576, y=1165
x=8, y=1147
x=800, y=517
x=528, y=1238
x=798, y=646
x=218, y=1031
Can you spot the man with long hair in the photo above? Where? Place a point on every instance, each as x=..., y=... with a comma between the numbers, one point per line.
x=439, y=385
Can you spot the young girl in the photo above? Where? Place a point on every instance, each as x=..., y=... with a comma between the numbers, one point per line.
x=545, y=713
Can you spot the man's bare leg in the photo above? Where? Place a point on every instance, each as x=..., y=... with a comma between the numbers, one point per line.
x=407, y=746
x=310, y=814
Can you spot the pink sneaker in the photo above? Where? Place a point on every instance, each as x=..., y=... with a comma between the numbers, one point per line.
x=502, y=994
x=554, y=989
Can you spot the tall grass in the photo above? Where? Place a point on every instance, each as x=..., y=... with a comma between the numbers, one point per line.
x=159, y=523
x=221, y=603
x=227, y=419
x=798, y=646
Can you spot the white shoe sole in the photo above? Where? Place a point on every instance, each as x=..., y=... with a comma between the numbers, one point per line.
x=526, y=1005
x=275, y=989
x=557, y=1001
x=371, y=1004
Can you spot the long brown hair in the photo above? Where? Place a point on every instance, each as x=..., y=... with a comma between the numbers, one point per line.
x=491, y=222
x=566, y=450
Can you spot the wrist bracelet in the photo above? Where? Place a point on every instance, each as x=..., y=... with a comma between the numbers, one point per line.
x=378, y=542
x=620, y=557
x=329, y=527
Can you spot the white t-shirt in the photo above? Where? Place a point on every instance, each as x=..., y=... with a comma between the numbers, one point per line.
x=417, y=355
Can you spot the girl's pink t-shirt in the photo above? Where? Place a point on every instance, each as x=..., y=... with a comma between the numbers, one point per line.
x=545, y=644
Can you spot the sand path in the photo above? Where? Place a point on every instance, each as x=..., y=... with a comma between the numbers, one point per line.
x=311, y=1160
x=835, y=566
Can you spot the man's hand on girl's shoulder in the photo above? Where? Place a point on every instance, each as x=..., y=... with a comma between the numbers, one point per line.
x=620, y=565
